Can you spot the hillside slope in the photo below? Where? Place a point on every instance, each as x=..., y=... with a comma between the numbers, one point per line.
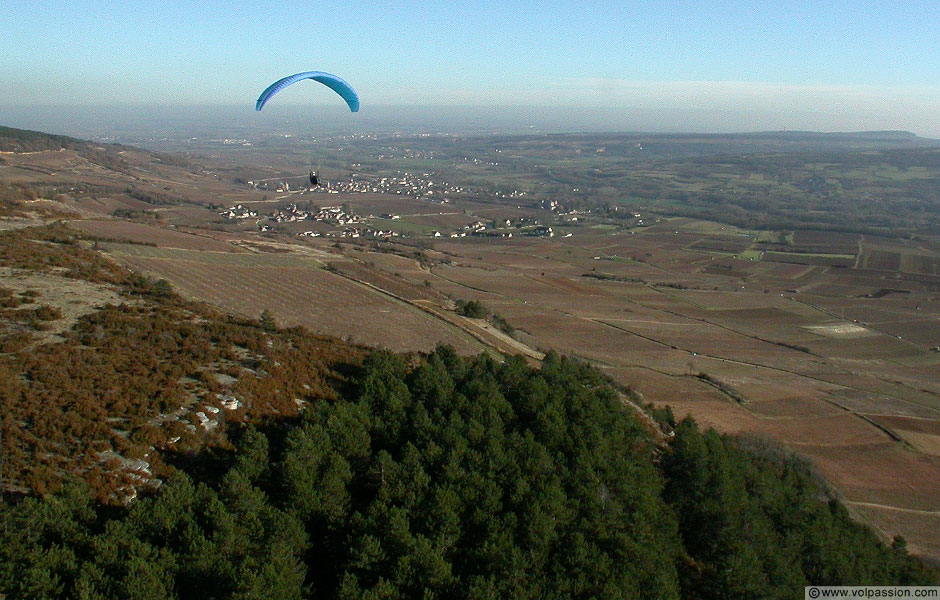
x=250, y=461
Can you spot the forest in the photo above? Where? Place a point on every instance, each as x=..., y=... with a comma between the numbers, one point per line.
x=456, y=477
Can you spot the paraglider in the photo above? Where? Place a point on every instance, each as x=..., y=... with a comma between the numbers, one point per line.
x=333, y=82
x=337, y=84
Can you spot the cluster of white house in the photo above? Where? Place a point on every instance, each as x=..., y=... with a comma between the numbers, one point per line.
x=353, y=232
x=328, y=214
x=337, y=216
x=238, y=212
x=480, y=229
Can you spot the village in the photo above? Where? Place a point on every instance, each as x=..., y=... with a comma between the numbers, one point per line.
x=419, y=186
x=336, y=216
x=340, y=221
x=402, y=183
x=345, y=224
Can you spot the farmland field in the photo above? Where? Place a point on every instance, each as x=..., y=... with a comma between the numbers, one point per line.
x=151, y=234
x=306, y=296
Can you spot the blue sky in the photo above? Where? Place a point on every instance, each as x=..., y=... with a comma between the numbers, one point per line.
x=836, y=63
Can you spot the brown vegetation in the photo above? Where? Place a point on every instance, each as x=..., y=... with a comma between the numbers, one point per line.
x=130, y=377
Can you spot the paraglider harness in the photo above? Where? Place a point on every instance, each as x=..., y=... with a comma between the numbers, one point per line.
x=314, y=180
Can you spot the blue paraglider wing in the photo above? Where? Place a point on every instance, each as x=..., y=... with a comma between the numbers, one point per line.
x=333, y=82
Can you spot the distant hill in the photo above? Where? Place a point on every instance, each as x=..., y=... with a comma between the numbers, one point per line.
x=905, y=139
x=668, y=146
x=24, y=140
x=873, y=135
x=43, y=165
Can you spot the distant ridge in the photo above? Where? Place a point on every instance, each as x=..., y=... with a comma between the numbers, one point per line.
x=25, y=140
x=109, y=155
x=631, y=145
x=868, y=135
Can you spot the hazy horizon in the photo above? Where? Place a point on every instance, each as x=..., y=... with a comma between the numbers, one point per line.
x=129, y=121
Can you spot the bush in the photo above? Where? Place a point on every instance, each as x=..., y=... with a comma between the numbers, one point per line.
x=502, y=324
x=472, y=308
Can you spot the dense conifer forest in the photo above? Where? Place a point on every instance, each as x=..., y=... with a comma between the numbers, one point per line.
x=454, y=477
